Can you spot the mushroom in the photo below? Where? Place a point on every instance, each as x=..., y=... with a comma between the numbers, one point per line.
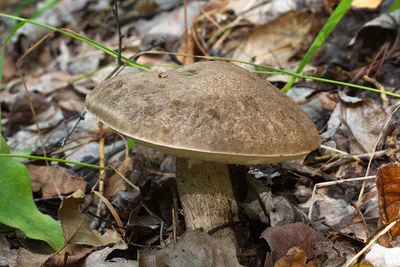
x=207, y=114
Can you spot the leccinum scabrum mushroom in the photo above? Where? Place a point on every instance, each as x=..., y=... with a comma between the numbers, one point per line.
x=208, y=115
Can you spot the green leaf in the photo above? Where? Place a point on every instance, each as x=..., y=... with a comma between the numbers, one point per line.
x=333, y=20
x=395, y=6
x=131, y=143
x=17, y=208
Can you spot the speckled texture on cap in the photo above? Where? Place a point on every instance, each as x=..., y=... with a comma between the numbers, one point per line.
x=213, y=111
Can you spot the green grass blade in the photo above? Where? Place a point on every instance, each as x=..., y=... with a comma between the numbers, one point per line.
x=5, y=155
x=395, y=6
x=14, y=30
x=40, y=11
x=337, y=83
x=81, y=38
x=333, y=20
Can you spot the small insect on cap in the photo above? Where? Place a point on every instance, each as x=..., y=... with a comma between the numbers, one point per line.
x=214, y=111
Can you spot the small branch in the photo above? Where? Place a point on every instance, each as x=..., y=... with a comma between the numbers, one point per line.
x=120, y=36
x=80, y=117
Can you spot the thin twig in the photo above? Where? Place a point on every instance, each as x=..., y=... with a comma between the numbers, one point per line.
x=120, y=36
x=359, y=212
x=80, y=117
x=186, y=29
x=319, y=185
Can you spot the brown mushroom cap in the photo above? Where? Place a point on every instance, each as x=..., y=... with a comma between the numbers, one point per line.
x=212, y=111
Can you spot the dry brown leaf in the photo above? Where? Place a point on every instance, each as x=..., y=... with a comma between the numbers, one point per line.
x=334, y=212
x=76, y=226
x=357, y=123
x=275, y=42
x=110, y=257
x=69, y=100
x=388, y=185
x=194, y=248
x=143, y=7
x=21, y=113
x=295, y=257
x=75, y=257
x=116, y=183
x=25, y=258
x=46, y=83
x=282, y=238
x=48, y=178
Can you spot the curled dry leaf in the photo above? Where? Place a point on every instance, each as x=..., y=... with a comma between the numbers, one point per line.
x=76, y=225
x=385, y=22
x=106, y=258
x=388, y=186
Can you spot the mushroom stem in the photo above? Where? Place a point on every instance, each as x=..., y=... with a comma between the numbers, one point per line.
x=206, y=193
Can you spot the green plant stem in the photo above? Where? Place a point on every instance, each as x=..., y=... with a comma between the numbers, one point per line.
x=333, y=20
x=338, y=83
x=55, y=160
x=80, y=38
x=395, y=6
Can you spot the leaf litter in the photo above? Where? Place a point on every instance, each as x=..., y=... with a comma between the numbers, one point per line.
x=274, y=200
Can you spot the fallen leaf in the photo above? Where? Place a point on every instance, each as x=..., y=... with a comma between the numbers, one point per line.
x=76, y=225
x=21, y=113
x=56, y=16
x=69, y=100
x=71, y=255
x=380, y=256
x=8, y=256
x=332, y=254
x=279, y=210
x=266, y=44
x=47, y=119
x=155, y=28
x=335, y=212
x=102, y=258
x=295, y=257
x=25, y=258
x=194, y=248
x=126, y=201
x=282, y=238
x=266, y=10
x=377, y=27
x=48, y=178
x=388, y=185
x=116, y=183
x=356, y=123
